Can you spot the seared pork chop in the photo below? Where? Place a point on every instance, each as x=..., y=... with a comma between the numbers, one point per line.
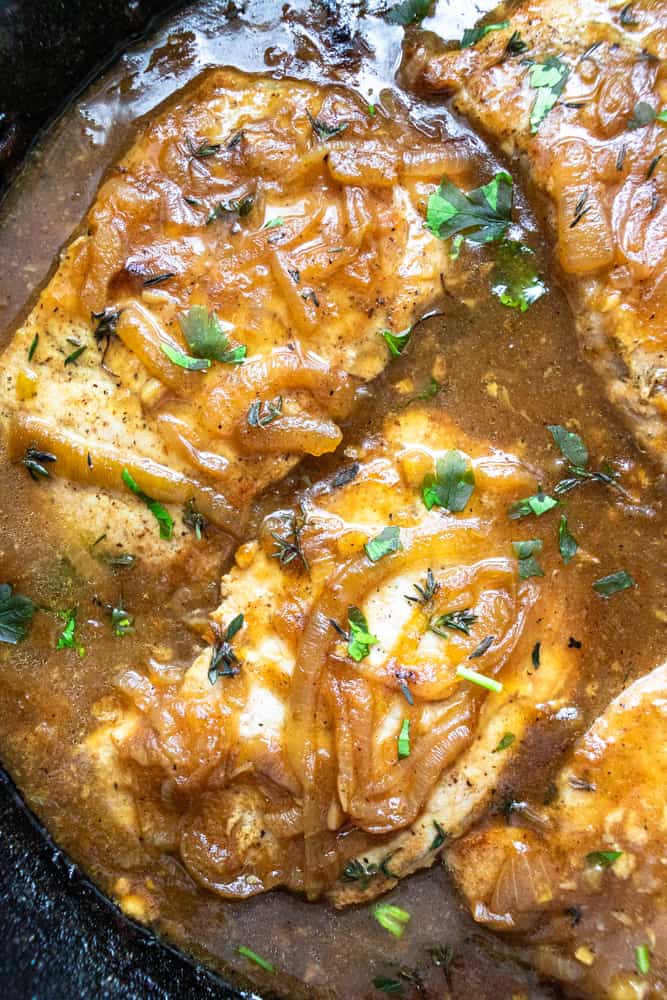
x=575, y=93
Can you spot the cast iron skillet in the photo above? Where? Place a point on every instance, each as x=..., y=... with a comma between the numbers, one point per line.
x=60, y=939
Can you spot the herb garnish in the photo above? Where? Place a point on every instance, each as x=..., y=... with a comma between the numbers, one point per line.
x=620, y=159
x=261, y=414
x=484, y=645
x=535, y=655
x=205, y=149
x=643, y=114
x=361, y=871
x=466, y=674
x=612, y=584
x=160, y=513
x=360, y=639
x=278, y=220
x=290, y=548
x=34, y=461
x=425, y=593
x=67, y=638
x=539, y=503
x=602, y=859
x=257, y=959
x=406, y=692
x=404, y=740
x=105, y=329
x=122, y=623
x=346, y=476
x=184, y=360
x=207, y=339
x=507, y=741
x=224, y=661
x=16, y=614
x=567, y=543
x=407, y=12
x=549, y=79
x=642, y=959
x=396, y=342
x=388, y=541
x=237, y=206
x=458, y=621
x=323, y=130
x=441, y=956
x=627, y=18
x=580, y=209
x=526, y=552
x=571, y=445
x=392, y=918
x=516, y=45
x=482, y=214
x=514, y=280
x=440, y=837
x=453, y=483
x=195, y=520
x=390, y=986
x=472, y=35
x=33, y=347
x=71, y=358
x=157, y=279
x=651, y=167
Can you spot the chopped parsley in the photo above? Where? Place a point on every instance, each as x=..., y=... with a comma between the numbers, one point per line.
x=580, y=210
x=207, y=339
x=388, y=541
x=407, y=12
x=644, y=114
x=67, y=638
x=360, y=639
x=440, y=836
x=274, y=223
x=571, y=445
x=425, y=593
x=390, y=986
x=539, y=503
x=122, y=623
x=602, y=859
x=627, y=17
x=516, y=45
x=194, y=519
x=323, y=130
x=642, y=959
x=526, y=552
x=346, y=476
x=36, y=461
x=507, y=741
x=16, y=614
x=261, y=414
x=548, y=79
x=224, y=661
x=567, y=543
x=608, y=585
x=257, y=959
x=361, y=871
x=160, y=513
x=453, y=483
x=514, y=280
x=184, y=360
x=392, y=918
x=458, y=621
x=535, y=655
x=466, y=674
x=404, y=740
x=472, y=35
x=482, y=214
x=396, y=342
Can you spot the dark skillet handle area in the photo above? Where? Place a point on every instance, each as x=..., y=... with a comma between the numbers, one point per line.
x=59, y=939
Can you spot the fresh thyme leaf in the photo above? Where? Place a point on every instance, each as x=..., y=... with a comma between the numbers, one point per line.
x=206, y=338
x=661, y=115
x=263, y=963
x=430, y=390
x=482, y=214
x=580, y=210
x=483, y=647
x=404, y=740
x=453, y=483
x=407, y=12
x=516, y=45
x=161, y=515
x=514, y=280
x=526, y=552
x=396, y=342
x=205, y=149
x=71, y=358
x=390, y=986
x=388, y=541
x=602, y=859
x=620, y=159
x=539, y=503
x=237, y=206
x=346, y=476
x=224, y=661
x=425, y=593
x=643, y=114
x=392, y=918
x=358, y=870
x=34, y=461
x=122, y=623
x=472, y=35
x=360, y=639
x=627, y=18
x=261, y=414
x=571, y=445
x=33, y=347
x=440, y=837
x=406, y=692
x=289, y=547
x=612, y=584
x=457, y=621
x=535, y=655
x=548, y=79
x=107, y=320
x=274, y=223
x=157, y=279
x=649, y=173
x=506, y=741
x=16, y=614
x=184, y=360
x=194, y=520
x=323, y=130
x=567, y=543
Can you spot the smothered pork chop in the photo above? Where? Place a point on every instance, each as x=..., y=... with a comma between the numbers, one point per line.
x=575, y=93
x=212, y=324
x=370, y=676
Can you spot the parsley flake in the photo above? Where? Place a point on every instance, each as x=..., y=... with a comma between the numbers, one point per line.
x=506, y=741
x=206, y=337
x=404, y=740
x=160, y=513
x=514, y=280
x=567, y=543
x=571, y=445
x=407, y=12
x=482, y=214
x=602, y=859
x=472, y=35
x=526, y=552
x=453, y=483
x=184, y=360
x=396, y=342
x=548, y=79
x=388, y=541
x=612, y=584
x=360, y=639
x=16, y=614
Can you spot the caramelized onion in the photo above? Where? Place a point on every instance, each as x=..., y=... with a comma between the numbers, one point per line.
x=298, y=434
